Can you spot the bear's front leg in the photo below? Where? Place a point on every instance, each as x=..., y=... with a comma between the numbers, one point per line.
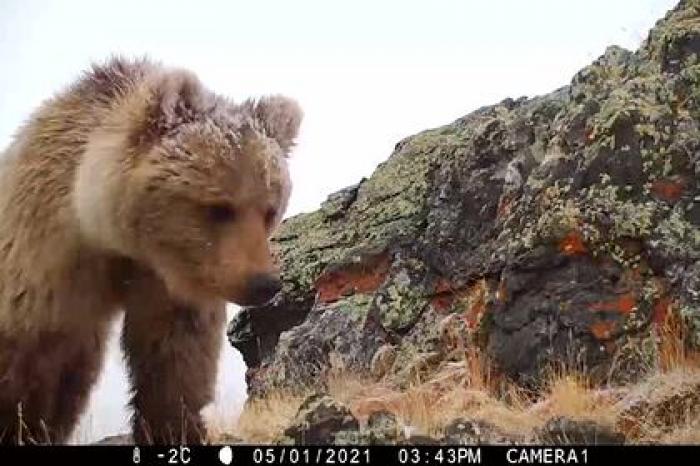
x=172, y=351
x=45, y=381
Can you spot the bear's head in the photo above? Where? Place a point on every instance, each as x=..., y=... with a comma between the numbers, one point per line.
x=194, y=187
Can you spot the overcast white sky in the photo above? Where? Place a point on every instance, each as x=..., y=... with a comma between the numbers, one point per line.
x=367, y=73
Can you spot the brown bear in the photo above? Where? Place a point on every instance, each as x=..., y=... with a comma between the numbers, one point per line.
x=136, y=189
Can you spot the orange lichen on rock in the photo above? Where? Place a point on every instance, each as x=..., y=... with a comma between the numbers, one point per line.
x=668, y=190
x=472, y=300
x=364, y=277
x=444, y=295
x=624, y=304
x=572, y=244
x=602, y=329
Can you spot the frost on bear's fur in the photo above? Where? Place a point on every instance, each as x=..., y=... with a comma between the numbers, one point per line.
x=135, y=189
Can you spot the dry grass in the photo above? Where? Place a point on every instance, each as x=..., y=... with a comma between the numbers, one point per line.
x=662, y=407
x=263, y=419
x=572, y=395
x=686, y=433
x=24, y=435
x=469, y=389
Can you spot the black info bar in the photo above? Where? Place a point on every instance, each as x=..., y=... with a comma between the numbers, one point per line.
x=211, y=455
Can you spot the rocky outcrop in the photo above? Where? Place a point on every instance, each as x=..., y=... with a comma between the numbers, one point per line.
x=473, y=432
x=660, y=403
x=319, y=420
x=560, y=229
x=565, y=431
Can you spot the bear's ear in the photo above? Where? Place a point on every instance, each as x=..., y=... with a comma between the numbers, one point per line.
x=280, y=117
x=177, y=97
x=180, y=97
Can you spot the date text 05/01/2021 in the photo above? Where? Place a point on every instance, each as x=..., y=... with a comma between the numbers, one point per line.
x=305, y=455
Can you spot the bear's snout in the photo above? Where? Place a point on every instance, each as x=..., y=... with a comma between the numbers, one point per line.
x=261, y=289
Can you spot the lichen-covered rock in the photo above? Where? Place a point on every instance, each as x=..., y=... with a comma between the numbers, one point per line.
x=473, y=432
x=382, y=428
x=318, y=420
x=660, y=402
x=558, y=230
x=566, y=431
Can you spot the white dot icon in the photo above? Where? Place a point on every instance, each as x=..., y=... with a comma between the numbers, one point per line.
x=226, y=455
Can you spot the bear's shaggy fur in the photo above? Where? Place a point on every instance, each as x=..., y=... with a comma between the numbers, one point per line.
x=135, y=189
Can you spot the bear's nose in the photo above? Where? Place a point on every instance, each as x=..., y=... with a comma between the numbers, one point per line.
x=262, y=288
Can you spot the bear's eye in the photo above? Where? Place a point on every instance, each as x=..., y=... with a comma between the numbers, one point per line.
x=220, y=213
